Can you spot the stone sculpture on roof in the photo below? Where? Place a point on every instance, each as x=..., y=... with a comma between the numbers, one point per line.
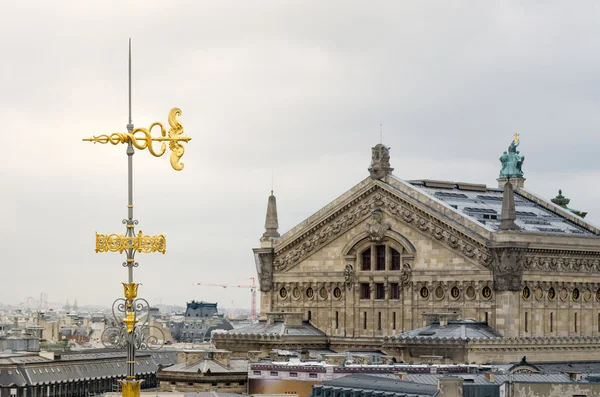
x=380, y=161
x=512, y=161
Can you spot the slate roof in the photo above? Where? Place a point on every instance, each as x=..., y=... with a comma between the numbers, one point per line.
x=10, y=377
x=235, y=366
x=383, y=384
x=23, y=370
x=485, y=206
x=69, y=371
x=455, y=330
x=480, y=379
x=588, y=367
x=278, y=328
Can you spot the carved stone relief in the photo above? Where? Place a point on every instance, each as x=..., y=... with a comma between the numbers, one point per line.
x=349, y=275
x=377, y=227
x=507, y=268
x=266, y=271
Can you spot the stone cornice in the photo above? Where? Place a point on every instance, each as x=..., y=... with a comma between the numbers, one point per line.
x=499, y=341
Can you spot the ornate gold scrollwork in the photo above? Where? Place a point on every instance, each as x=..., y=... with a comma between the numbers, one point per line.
x=140, y=243
x=144, y=139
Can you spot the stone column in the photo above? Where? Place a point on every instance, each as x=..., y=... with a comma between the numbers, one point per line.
x=506, y=313
x=507, y=270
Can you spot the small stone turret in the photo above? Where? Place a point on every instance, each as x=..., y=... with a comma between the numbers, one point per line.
x=508, y=215
x=271, y=222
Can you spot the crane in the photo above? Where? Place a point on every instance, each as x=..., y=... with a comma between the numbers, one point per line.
x=252, y=292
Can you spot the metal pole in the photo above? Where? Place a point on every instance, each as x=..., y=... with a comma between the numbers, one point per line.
x=130, y=232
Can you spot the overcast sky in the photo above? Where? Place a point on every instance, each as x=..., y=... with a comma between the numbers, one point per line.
x=298, y=88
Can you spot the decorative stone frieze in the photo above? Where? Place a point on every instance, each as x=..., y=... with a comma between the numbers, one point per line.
x=561, y=261
x=377, y=198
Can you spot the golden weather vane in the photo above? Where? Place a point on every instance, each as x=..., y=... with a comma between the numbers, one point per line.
x=144, y=139
x=516, y=138
x=134, y=333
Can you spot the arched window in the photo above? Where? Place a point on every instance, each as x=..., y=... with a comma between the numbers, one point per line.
x=366, y=259
x=383, y=257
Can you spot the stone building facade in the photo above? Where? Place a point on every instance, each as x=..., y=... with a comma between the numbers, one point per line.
x=372, y=263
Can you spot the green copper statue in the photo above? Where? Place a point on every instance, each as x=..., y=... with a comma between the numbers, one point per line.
x=512, y=161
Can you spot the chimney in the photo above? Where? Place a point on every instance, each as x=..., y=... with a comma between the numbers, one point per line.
x=403, y=375
x=576, y=376
x=304, y=355
x=508, y=215
x=490, y=377
x=450, y=387
x=222, y=357
x=271, y=222
x=254, y=355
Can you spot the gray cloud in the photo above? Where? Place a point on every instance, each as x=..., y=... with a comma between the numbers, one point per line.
x=297, y=87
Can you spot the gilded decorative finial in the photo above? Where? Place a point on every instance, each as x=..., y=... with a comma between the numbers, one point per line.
x=131, y=388
x=144, y=139
x=130, y=321
x=130, y=290
x=516, y=138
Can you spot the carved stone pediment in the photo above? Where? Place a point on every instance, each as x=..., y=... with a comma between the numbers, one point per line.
x=359, y=209
x=507, y=266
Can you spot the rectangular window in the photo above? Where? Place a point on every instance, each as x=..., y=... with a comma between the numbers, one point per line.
x=394, y=291
x=486, y=317
x=312, y=376
x=379, y=321
x=273, y=373
x=293, y=374
x=598, y=322
x=379, y=291
x=364, y=320
x=337, y=319
x=551, y=321
x=366, y=259
x=394, y=320
x=365, y=291
x=309, y=315
x=526, y=318
x=380, y=252
x=256, y=372
x=575, y=322
x=395, y=260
